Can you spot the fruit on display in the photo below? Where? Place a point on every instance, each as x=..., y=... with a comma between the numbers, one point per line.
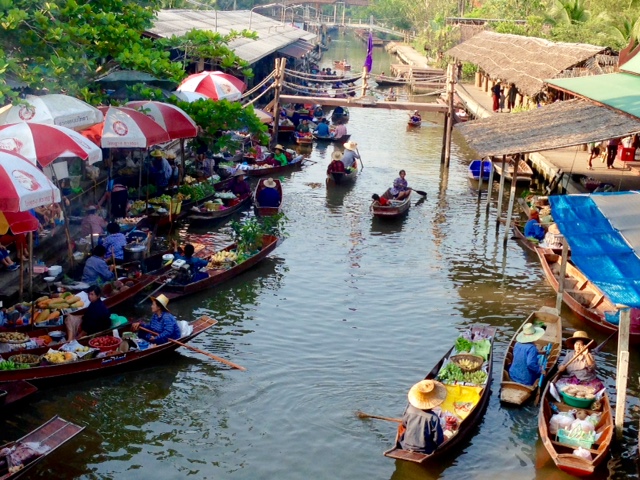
x=104, y=342
x=13, y=337
x=223, y=256
x=60, y=357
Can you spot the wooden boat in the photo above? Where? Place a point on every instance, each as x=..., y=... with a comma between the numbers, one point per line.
x=561, y=454
x=525, y=174
x=341, y=178
x=387, y=81
x=342, y=139
x=516, y=393
x=267, y=211
x=414, y=123
x=200, y=217
x=342, y=65
x=518, y=233
x=582, y=296
x=112, y=361
x=219, y=275
x=295, y=164
x=391, y=211
x=474, y=169
x=14, y=392
x=47, y=437
x=303, y=139
x=466, y=426
x=390, y=98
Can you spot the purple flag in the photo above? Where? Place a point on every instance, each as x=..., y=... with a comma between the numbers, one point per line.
x=368, y=62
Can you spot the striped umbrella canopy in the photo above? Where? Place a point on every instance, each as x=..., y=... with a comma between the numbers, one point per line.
x=215, y=85
x=189, y=96
x=23, y=186
x=53, y=109
x=126, y=128
x=174, y=120
x=44, y=143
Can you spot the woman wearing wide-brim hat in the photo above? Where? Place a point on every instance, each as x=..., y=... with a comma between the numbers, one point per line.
x=163, y=323
x=423, y=432
x=582, y=371
x=525, y=364
x=350, y=155
x=336, y=165
x=279, y=155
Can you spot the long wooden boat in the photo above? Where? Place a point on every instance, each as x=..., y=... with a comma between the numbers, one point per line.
x=218, y=276
x=112, y=361
x=525, y=174
x=342, y=139
x=48, y=437
x=342, y=178
x=517, y=393
x=466, y=426
x=473, y=172
x=518, y=233
x=387, y=81
x=561, y=454
x=414, y=123
x=398, y=208
x=201, y=217
x=15, y=392
x=267, y=211
x=295, y=164
x=342, y=65
x=582, y=296
x=303, y=139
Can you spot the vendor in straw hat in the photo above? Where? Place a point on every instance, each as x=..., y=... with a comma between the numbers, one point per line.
x=268, y=194
x=160, y=171
x=423, y=431
x=279, y=156
x=525, y=366
x=533, y=228
x=336, y=165
x=583, y=370
x=350, y=155
x=239, y=185
x=163, y=323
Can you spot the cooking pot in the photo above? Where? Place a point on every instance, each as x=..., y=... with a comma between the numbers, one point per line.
x=134, y=252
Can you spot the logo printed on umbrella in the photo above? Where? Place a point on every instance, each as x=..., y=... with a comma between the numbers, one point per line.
x=27, y=180
x=120, y=128
x=12, y=144
x=226, y=88
x=27, y=112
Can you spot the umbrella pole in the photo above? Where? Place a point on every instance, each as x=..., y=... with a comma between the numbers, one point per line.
x=109, y=179
x=66, y=222
x=21, y=290
x=146, y=209
x=140, y=164
x=184, y=167
x=31, y=271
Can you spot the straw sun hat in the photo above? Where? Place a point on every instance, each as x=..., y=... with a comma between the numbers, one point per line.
x=427, y=394
x=350, y=145
x=157, y=153
x=279, y=147
x=553, y=228
x=161, y=300
x=269, y=183
x=529, y=333
x=579, y=335
x=336, y=155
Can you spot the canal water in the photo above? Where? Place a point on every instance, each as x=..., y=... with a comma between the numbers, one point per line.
x=345, y=315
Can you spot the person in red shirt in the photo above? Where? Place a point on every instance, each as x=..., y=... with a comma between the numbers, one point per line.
x=336, y=164
x=381, y=200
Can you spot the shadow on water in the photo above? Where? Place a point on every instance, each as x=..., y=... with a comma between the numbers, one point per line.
x=387, y=226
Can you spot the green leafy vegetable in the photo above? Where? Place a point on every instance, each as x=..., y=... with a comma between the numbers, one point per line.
x=463, y=345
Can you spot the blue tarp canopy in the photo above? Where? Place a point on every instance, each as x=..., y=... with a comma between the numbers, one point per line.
x=603, y=230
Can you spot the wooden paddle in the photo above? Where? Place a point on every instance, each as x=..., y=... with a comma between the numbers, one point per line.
x=360, y=414
x=210, y=355
x=360, y=157
x=420, y=192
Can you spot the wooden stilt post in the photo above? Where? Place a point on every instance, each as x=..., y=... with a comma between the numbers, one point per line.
x=622, y=370
x=480, y=179
x=490, y=185
x=501, y=192
x=512, y=199
x=444, y=137
x=364, y=82
x=450, y=90
x=563, y=271
x=280, y=63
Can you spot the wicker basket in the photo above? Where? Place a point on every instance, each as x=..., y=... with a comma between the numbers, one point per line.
x=476, y=359
x=26, y=359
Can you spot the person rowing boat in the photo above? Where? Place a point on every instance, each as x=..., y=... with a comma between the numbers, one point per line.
x=400, y=189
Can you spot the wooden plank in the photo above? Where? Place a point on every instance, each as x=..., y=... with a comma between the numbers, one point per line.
x=346, y=102
x=622, y=371
x=563, y=272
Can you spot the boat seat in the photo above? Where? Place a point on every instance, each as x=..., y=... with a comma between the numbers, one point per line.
x=597, y=299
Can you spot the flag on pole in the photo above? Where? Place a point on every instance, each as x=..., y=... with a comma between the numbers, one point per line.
x=368, y=62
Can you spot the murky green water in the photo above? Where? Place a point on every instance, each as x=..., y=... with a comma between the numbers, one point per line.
x=346, y=315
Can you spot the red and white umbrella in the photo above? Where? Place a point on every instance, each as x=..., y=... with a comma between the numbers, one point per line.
x=190, y=97
x=22, y=185
x=53, y=109
x=215, y=85
x=18, y=222
x=45, y=143
x=174, y=120
x=126, y=128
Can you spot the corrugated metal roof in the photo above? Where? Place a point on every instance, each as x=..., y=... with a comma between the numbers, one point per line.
x=297, y=49
x=272, y=35
x=616, y=90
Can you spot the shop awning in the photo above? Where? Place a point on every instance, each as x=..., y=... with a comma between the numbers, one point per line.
x=297, y=49
x=561, y=124
x=616, y=90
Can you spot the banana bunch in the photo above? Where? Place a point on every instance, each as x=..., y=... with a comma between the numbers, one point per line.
x=466, y=363
x=223, y=257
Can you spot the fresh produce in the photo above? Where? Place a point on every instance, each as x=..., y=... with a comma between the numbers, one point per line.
x=482, y=348
x=13, y=337
x=198, y=191
x=477, y=378
x=106, y=341
x=463, y=345
x=225, y=195
x=60, y=357
x=223, y=256
x=9, y=365
x=452, y=373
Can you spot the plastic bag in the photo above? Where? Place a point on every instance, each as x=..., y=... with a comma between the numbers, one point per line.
x=185, y=328
x=584, y=425
x=582, y=453
x=559, y=421
x=594, y=418
x=554, y=392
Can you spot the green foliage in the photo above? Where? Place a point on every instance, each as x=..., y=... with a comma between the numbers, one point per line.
x=567, y=12
x=249, y=233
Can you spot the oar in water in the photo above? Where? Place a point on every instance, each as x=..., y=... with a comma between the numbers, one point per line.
x=420, y=192
x=360, y=157
x=543, y=368
x=360, y=414
x=210, y=355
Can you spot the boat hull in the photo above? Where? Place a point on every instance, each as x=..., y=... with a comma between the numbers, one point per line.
x=342, y=178
x=474, y=170
x=394, y=211
x=274, y=171
x=200, y=218
x=267, y=211
x=525, y=174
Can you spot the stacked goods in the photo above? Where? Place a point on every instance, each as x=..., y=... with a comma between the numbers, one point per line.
x=106, y=343
x=197, y=192
x=13, y=337
x=221, y=257
x=57, y=357
x=25, y=359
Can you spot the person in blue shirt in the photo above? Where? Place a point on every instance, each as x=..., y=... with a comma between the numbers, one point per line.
x=115, y=242
x=322, y=130
x=163, y=323
x=525, y=366
x=96, y=269
x=533, y=228
x=194, y=263
x=269, y=196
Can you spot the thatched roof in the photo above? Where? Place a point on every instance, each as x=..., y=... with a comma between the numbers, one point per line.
x=525, y=61
x=561, y=124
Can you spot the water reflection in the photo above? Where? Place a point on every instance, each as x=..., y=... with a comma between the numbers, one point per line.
x=388, y=226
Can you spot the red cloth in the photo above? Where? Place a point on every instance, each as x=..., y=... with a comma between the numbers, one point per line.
x=335, y=166
x=496, y=102
x=383, y=202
